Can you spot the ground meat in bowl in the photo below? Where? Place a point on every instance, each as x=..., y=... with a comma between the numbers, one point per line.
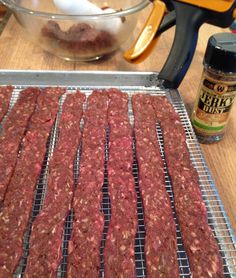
x=79, y=38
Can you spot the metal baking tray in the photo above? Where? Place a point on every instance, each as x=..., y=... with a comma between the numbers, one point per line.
x=130, y=82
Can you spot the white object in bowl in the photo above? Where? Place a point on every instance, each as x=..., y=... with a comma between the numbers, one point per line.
x=77, y=7
x=82, y=7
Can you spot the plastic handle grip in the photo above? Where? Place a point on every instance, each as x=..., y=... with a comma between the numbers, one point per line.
x=188, y=21
x=144, y=44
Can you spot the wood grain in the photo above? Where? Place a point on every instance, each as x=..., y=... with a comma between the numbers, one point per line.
x=17, y=52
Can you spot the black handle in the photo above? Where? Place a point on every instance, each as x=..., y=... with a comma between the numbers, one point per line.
x=188, y=21
x=168, y=21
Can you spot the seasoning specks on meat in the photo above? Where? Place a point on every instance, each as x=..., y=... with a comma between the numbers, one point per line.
x=119, y=259
x=12, y=134
x=18, y=201
x=5, y=97
x=88, y=223
x=48, y=227
x=160, y=240
x=199, y=242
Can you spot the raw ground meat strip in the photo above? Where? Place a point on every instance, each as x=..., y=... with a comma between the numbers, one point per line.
x=48, y=227
x=88, y=223
x=17, y=208
x=199, y=242
x=160, y=240
x=12, y=134
x=119, y=259
x=5, y=97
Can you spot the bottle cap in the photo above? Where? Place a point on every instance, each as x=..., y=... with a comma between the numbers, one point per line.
x=221, y=52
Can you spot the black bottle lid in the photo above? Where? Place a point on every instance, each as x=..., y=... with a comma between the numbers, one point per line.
x=221, y=52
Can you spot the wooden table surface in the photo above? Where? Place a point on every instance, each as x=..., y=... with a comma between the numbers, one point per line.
x=16, y=52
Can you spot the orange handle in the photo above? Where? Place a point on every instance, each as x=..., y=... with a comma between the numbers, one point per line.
x=145, y=42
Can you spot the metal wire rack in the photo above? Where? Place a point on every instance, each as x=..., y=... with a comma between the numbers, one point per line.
x=216, y=214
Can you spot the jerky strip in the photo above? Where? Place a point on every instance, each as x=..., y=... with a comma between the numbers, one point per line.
x=48, y=227
x=119, y=259
x=199, y=242
x=17, y=208
x=13, y=132
x=88, y=224
x=5, y=97
x=160, y=239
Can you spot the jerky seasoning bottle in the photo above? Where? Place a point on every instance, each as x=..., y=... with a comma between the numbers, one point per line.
x=217, y=90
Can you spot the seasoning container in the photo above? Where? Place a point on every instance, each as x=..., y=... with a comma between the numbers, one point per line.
x=217, y=89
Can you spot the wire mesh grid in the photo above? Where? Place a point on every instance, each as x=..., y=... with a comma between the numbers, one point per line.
x=216, y=214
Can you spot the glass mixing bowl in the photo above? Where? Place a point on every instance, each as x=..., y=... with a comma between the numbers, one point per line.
x=78, y=37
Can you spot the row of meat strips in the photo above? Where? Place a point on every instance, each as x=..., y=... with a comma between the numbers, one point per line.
x=23, y=145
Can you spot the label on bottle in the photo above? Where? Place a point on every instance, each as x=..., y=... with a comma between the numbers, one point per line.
x=211, y=111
